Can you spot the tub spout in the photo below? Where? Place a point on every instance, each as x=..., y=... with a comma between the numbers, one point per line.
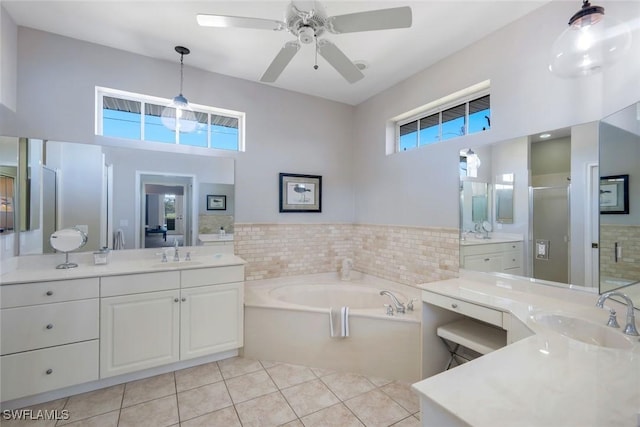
x=399, y=306
x=345, y=273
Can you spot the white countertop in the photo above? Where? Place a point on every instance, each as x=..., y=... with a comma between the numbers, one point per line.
x=33, y=268
x=546, y=379
x=215, y=237
x=472, y=239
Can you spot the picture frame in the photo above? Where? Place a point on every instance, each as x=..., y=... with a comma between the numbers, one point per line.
x=614, y=194
x=300, y=193
x=216, y=202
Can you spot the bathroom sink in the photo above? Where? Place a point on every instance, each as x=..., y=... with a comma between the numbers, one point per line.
x=583, y=330
x=174, y=264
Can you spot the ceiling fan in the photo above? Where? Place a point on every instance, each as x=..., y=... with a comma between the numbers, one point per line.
x=308, y=25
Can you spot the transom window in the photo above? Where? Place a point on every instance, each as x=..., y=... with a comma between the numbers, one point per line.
x=447, y=121
x=129, y=115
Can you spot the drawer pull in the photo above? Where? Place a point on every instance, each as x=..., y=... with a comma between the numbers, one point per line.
x=50, y=326
x=176, y=300
x=49, y=371
x=454, y=305
x=49, y=293
x=183, y=299
x=487, y=259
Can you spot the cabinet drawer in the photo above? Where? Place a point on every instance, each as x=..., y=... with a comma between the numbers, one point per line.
x=33, y=327
x=511, y=260
x=46, y=292
x=479, y=312
x=138, y=283
x=37, y=371
x=212, y=276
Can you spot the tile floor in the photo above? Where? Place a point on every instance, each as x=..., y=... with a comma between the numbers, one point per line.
x=242, y=392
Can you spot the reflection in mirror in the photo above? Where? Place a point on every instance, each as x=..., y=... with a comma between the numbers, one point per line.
x=8, y=183
x=504, y=198
x=530, y=177
x=620, y=202
x=94, y=186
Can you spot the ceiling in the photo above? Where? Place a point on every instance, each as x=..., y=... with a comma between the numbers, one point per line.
x=153, y=28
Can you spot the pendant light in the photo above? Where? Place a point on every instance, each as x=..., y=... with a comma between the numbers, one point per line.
x=178, y=116
x=591, y=43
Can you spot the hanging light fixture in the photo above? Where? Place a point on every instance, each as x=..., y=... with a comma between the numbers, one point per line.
x=178, y=116
x=591, y=43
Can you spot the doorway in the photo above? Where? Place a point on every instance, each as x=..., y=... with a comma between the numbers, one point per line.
x=165, y=210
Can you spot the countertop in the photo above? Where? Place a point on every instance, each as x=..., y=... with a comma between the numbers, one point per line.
x=470, y=239
x=31, y=268
x=543, y=380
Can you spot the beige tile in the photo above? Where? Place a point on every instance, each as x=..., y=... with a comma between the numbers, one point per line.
x=87, y=405
x=199, y=401
x=237, y=366
x=379, y=382
x=249, y=386
x=309, y=397
x=110, y=419
x=155, y=413
x=336, y=415
x=149, y=389
x=269, y=410
x=376, y=409
x=403, y=395
x=285, y=375
x=418, y=415
x=197, y=376
x=294, y=423
x=226, y=417
x=22, y=417
x=346, y=386
x=269, y=363
x=321, y=372
x=408, y=422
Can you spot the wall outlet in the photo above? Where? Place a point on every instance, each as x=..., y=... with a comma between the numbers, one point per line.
x=83, y=228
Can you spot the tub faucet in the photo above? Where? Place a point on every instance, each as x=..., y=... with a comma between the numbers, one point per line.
x=176, y=254
x=630, y=328
x=399, y=306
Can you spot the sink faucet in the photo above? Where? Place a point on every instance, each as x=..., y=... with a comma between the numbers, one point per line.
x=630, y=328
x=399, y=306
x=176, y=254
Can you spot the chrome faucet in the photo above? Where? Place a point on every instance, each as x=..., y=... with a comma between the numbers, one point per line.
x=399, y=306
x=630, y=328
x=176, y=254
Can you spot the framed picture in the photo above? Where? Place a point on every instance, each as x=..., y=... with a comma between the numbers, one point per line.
x=216, y=203
x=614, y=194
x=300, y=193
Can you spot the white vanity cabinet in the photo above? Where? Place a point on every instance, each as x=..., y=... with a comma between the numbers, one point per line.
x=48, y=335
x=504, y=257
x=154, y=319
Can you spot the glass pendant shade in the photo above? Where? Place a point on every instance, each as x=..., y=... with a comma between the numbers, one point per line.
x=178, y=116
x=592, y=42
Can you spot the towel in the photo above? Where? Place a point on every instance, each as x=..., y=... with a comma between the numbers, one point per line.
x=339, y=322
x=118, y=239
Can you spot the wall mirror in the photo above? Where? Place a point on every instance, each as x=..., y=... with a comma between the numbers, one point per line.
x=620, y=185
x=540, y=228
x=120, y=200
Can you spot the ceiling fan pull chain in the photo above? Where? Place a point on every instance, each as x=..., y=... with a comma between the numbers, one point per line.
x=315, y=66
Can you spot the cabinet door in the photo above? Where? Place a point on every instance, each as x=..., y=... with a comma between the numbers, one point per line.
x=487, y=263
x=211, y=319
x=139, y=331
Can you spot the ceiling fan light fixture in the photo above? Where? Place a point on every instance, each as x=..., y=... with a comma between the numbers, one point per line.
x=306, y=35
x=590, y=43
x=178, y=116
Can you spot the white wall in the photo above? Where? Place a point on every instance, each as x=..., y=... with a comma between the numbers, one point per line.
x=8, y=60
x=285, y=131
x=525, y=98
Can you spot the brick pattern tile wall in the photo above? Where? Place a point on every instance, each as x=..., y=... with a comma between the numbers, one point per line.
x=407, y=255
x=628, y=236
x=210, y=224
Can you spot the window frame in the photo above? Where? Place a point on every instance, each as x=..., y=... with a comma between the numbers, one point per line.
x=438, y=110
x=101, y=92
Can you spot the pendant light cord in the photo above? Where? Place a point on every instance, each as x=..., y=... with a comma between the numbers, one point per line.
x=181, y=71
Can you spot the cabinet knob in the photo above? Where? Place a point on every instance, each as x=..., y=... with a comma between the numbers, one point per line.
x=487, y=259
x=183, y=299
x=50, y=326
x=49, y=293
x=176, y=300
x=49, y=371
x=454, y=305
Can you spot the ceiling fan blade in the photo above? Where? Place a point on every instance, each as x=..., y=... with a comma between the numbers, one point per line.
x=222, y=21
x=279, y=63
x=339, y=61
x=383, y=19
